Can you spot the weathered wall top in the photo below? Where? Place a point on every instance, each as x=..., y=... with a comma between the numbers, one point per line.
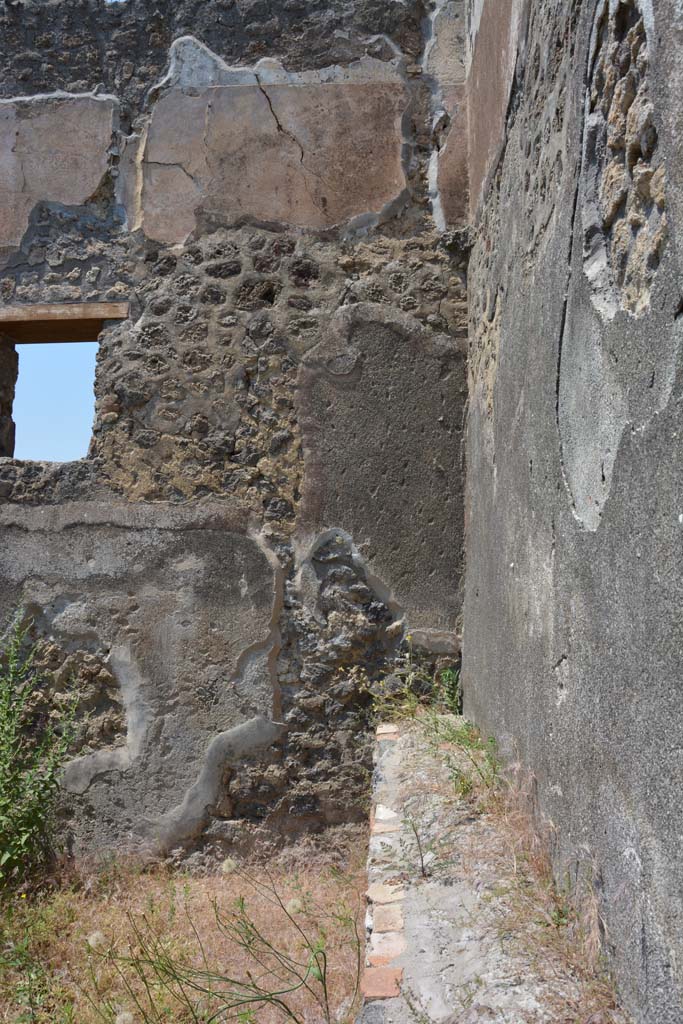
x=123, y=47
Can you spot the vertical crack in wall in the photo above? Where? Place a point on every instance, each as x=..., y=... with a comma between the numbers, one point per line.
x=273, y=642
x=321, y=204
x=278, y=123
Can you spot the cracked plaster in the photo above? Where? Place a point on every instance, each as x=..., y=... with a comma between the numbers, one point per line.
x=312, y=149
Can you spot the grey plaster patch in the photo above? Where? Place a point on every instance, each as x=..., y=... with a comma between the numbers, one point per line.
x=360, y=478
x=592, y=414
x=188, y=819
x=176, y=598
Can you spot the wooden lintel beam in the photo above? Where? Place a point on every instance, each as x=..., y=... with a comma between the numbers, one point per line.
x=64, y=311
x=56, y=321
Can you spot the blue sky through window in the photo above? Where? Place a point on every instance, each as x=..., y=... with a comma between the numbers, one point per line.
x=54, y=404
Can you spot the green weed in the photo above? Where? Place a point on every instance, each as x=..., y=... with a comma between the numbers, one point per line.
x=446, y=730
x=32, y=754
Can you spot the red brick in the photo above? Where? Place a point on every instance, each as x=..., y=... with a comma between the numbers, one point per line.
x=382, y=828
x=382, y=982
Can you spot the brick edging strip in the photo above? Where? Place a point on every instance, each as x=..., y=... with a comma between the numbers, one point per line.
x=384, y=918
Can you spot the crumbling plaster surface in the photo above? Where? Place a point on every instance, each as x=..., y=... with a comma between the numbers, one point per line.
x=210, y=600
x=572, y=626
x=171, y=601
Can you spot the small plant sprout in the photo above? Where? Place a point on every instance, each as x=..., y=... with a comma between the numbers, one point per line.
x=424, y=870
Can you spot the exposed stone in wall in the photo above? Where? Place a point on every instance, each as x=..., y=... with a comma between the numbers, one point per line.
x=213, y=571
x=295, y=784
x=197, y=396
x=212, y=410
x=331, y=620
x=71, y=254
x=76, y=46
x=624, y=222
x=80, y=678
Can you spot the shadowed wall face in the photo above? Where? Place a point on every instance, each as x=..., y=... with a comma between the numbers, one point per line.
x=9, y=369
x=572, y=623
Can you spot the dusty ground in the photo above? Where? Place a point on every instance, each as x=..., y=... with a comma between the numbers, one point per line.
x=486, y=934
x=60, y=950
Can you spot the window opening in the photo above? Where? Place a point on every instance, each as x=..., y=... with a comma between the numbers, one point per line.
x=54, y=401
x=48, y=355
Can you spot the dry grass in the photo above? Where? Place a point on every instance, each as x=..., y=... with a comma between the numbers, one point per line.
x=559, y=930
x=62, y=950
x=553, y=921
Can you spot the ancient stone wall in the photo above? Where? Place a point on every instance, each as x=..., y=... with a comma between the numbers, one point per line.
x=273, y=492
x=572, y=625
x=285, y=193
